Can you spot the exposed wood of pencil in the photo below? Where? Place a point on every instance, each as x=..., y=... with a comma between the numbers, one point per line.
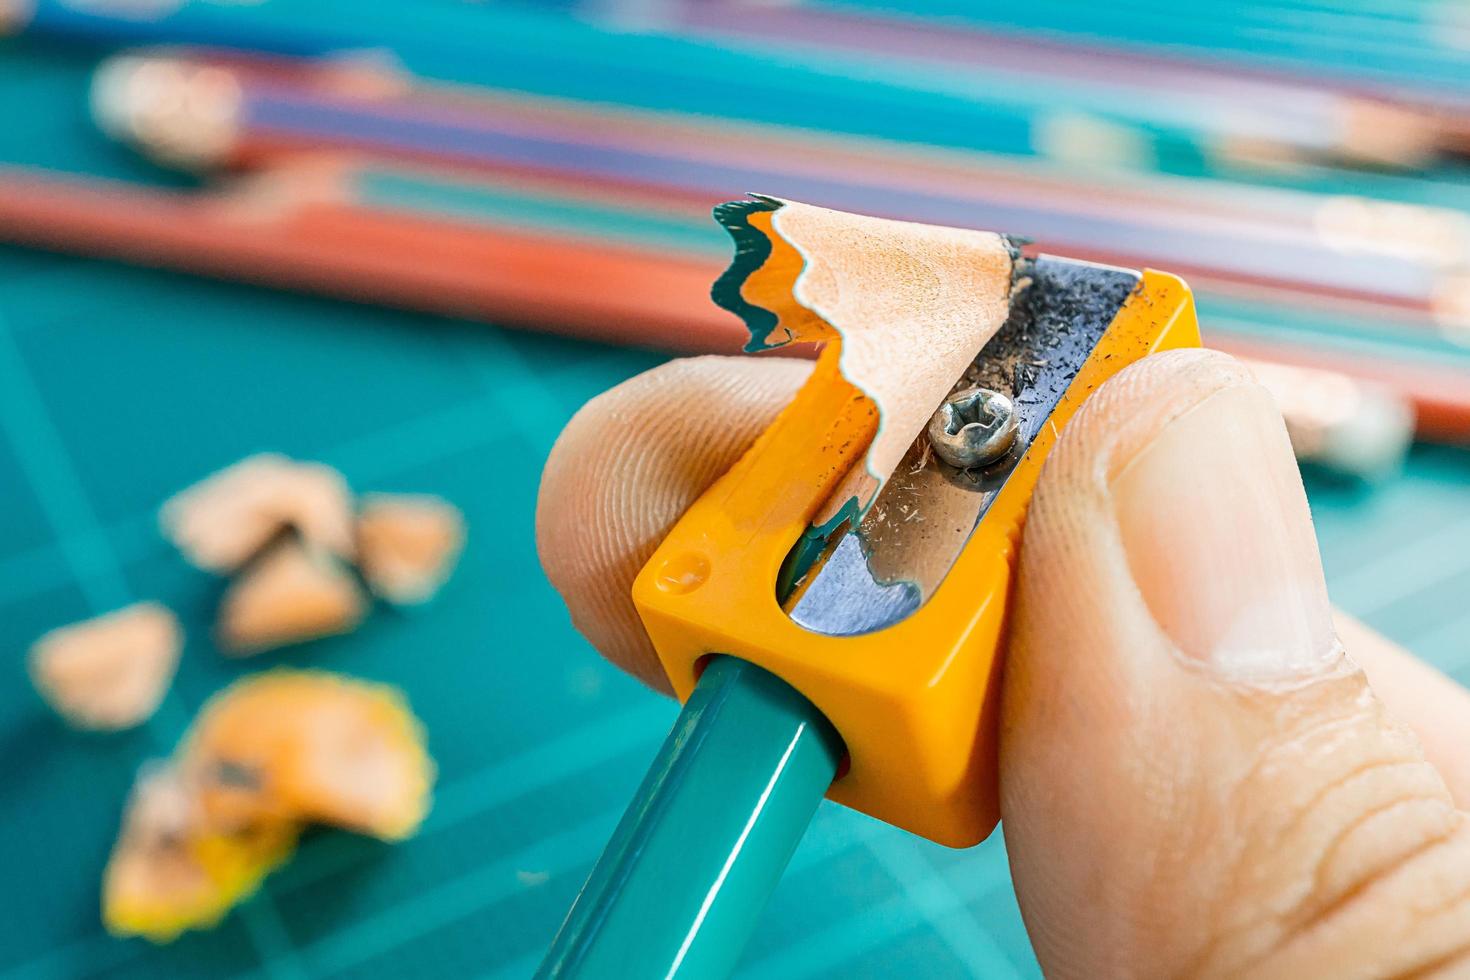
x=610, y=293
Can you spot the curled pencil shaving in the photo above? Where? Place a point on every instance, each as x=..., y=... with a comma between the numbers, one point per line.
x=171, y=870
x=911, y=305
x=407, y=545
x=313, y=746
x=110, y=672
x=223, y=521
x=269, y=755
x=185, y=113
x=291, y=593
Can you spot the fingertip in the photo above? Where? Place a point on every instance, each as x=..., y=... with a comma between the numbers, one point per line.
x=1429, y=701
x=624, y=470
x=1192, y=776
x=1074, y=580
x=1133, y=407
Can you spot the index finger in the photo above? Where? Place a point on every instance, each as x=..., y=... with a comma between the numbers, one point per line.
x=1429, y=702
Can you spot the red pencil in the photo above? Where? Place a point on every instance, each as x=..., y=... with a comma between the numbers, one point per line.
x=290, y=229
x=297, y=228
x=1373, y=255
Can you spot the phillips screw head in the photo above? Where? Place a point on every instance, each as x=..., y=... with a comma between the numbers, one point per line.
x=974, y=427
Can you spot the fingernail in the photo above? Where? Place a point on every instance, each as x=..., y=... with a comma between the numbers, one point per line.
x=1220, y=541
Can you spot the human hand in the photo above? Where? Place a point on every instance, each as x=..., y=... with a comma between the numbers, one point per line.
x=1194, y=778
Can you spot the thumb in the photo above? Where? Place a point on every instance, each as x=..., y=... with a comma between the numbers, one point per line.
x=1195, y=778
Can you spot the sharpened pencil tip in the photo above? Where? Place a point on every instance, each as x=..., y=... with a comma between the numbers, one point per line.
x=177, y=111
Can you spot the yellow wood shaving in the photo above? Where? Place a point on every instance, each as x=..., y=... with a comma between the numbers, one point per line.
x=265, y=757
x=314, y=746
x=170, y=870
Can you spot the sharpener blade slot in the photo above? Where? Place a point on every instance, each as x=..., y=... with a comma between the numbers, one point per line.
x=880, y=572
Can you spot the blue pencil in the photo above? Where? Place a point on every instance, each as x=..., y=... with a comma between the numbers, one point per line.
x=1292, y=241
x=819, y=88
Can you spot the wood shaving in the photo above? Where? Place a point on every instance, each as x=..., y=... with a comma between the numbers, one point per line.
x=224, y=520
x=911, y=304
x=269, y=755
x=170, y=870
x=313, y=746
x=110, y=672
x=292, y=593
x=407, y=545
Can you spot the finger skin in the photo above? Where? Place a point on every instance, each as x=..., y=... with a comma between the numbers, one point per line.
x=595, y=535
x=1433, y=705
x=1164, y=816
x=1071, y=711
x=624, y=470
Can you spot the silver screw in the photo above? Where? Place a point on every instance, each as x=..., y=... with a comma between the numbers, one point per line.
x=973, y=427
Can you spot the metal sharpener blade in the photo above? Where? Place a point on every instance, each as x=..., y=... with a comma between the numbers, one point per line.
x=882, y=571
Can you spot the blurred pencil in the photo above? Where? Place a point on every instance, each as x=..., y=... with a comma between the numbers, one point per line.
x=423, y=241
x=1397, y=256
x=378, y=92
x=1438, y=394
x=297, y=230
x=1236, y=112
x=1394, y=44
x=573, y=54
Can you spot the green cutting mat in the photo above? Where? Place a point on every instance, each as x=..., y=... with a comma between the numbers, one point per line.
x=119, y=386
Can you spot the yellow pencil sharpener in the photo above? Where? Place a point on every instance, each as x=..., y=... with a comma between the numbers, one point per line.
x=893, y=633
x=859, y=661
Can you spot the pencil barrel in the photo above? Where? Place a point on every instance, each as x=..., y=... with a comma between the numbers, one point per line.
x=686, y=874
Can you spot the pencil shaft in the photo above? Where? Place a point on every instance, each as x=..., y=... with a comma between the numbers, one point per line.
x=610, y=293
x=572, y=57
x=602, y=284
x=1258, y=247
x=683, y=880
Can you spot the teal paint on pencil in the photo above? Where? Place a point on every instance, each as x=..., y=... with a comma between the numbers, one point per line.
x=682, y=883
